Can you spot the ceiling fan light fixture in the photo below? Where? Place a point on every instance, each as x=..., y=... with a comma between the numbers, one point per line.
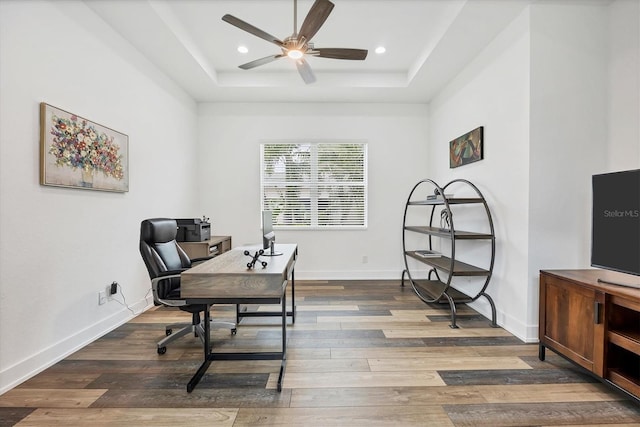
x=243, y=49
x=295, y=54
x=380, y=50
x=299, y=44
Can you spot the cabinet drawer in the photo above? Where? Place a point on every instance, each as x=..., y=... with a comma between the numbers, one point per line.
x=216, y=245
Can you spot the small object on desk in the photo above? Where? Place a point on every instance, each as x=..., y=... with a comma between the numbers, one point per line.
x=255, y=259
x=424, y=253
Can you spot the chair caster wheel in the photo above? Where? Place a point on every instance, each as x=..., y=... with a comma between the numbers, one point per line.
x=162, y=350
x=168, y=332
x=234, y=331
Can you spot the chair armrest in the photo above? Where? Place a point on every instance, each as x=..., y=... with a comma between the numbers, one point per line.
x=201, y=259
x=171, y=274
x=154, y=282
x=165, y=274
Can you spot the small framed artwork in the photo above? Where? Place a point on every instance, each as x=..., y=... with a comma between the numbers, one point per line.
x=467, y=148
x=78, y=153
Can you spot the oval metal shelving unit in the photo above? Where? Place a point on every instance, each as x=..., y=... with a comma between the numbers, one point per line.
x=437, y=286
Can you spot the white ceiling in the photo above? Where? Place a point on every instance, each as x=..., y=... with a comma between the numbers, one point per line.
x=428, y=42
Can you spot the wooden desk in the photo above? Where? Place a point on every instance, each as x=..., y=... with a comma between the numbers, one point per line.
x=226, y=279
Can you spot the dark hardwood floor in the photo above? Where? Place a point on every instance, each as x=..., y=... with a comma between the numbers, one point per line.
x=360, y=353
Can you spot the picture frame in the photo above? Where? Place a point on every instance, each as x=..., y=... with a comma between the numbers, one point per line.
x=78, y=153
x=467, y=148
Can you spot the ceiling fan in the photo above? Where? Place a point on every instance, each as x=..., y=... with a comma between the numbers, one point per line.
x=298, y=45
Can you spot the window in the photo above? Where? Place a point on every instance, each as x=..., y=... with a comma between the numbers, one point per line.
x=315, y=184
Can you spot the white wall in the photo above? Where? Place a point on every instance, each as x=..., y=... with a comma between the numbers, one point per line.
x=493, y=91
x=568, y=134
x=59, y=247
x=624, y=87
x=230, y=136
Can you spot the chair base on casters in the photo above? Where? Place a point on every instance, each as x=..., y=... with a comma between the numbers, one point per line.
x=197, y=330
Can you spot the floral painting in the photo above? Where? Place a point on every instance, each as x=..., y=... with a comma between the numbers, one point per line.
x=78, y=153
x=466, y=149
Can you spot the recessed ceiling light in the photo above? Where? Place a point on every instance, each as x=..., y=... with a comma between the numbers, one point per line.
x=380, y=50
x=242, y=49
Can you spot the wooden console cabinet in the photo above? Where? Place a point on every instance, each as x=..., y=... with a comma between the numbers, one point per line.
x=596, y=325
x=216, y=245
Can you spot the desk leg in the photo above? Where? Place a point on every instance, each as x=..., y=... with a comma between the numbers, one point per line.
x=293, y=296
x=207, y=350
x=284, y=341
x=207, y=332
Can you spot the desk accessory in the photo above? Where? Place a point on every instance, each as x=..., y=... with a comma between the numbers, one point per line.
x=256, y=258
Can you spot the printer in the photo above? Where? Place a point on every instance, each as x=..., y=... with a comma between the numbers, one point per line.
x=193, y=230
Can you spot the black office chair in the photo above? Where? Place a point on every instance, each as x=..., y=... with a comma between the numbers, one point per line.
x=165, y=260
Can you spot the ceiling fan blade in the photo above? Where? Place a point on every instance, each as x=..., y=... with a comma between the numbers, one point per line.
x=338, y=53
x=260, y=61
x=318, y=13
x=251, y=29
x=305, y=71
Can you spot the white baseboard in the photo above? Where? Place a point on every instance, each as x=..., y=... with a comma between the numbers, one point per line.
x=527, y=333
x=27, y=368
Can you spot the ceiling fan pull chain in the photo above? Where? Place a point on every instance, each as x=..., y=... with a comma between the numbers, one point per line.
x=295, y=18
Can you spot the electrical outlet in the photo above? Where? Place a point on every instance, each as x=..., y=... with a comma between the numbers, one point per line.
x=102, y=297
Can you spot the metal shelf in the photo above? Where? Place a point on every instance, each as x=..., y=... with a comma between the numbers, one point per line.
x=451, y=201
x=434, y=289
x=439, y=286
x=444, y=263
x=442, y=232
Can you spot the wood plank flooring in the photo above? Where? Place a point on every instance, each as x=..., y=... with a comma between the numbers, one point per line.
x=361, y=353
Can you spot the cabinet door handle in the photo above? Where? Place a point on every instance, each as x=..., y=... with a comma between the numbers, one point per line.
x=596, y=313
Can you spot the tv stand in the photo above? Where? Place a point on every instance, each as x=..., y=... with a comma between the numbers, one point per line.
x=593, y=323
x=619, y=283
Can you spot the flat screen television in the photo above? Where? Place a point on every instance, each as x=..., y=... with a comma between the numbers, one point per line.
x=615, y=231
x=268, y=235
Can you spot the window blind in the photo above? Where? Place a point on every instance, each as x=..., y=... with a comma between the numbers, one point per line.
x=315, y=184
